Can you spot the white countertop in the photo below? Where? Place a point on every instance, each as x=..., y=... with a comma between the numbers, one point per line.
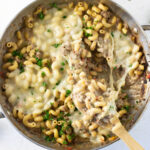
x=10, y=139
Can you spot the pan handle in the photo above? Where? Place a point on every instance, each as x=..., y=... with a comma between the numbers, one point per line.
x=1, y=115
x=146, y=27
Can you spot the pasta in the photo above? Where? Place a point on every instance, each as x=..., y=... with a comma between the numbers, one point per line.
x=67, y=68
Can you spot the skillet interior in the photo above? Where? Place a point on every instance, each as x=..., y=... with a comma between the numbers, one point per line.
x=143, y=95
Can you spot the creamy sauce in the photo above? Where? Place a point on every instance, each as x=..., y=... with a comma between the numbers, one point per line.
x=29, y=91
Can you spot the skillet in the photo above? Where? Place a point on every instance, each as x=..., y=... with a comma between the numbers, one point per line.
x=135, y=113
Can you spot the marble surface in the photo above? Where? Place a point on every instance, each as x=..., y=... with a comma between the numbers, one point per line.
x=10, y=139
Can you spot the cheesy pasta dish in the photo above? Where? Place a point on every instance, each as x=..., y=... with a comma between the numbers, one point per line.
x=67, y=69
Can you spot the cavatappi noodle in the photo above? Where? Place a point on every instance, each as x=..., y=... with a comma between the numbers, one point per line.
x=68, y=68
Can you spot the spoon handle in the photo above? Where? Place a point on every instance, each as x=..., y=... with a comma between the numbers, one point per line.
x=123, y=134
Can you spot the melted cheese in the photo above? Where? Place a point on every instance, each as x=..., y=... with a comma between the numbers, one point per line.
x=29, y=91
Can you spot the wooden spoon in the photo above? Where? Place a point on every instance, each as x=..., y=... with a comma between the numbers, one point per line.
x=119, y=130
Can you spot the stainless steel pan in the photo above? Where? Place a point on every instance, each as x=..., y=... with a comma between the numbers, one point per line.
x=81, y=145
